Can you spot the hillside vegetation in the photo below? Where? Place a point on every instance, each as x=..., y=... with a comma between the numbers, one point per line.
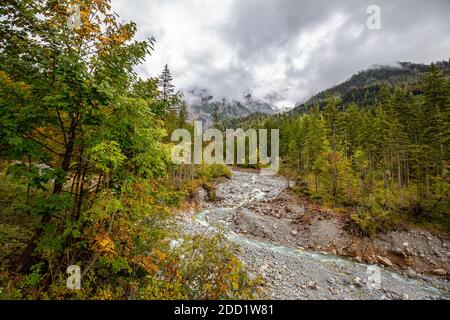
x=388, y=163
x=364, y=87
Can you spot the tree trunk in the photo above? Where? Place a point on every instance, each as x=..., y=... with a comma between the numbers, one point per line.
x=25, y=259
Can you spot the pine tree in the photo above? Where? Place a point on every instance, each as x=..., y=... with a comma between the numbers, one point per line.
x=331, y=118
x=216, y=115
x=183, y=114
x=167, y=89
x=437, y=113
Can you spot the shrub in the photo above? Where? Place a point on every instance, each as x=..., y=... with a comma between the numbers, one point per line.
x=213, y=171
x=201, y=267
x=122, y=245
x=371, y=218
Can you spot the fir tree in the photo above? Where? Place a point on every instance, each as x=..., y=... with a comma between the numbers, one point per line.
x=183, y=114
x=167, y=93
x=216, y=116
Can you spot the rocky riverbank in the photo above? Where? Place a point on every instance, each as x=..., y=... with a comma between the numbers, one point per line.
x=299, y=252
x=292, y=221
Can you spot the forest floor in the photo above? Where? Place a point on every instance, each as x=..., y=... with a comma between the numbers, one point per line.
x=304, y=251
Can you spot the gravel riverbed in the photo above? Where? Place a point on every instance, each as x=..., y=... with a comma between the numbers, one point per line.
x=292, y=273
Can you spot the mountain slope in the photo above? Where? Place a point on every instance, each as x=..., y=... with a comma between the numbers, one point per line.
x=203, y=107
x=362, y=88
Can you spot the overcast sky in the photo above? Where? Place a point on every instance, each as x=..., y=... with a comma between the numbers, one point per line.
x=293, y=48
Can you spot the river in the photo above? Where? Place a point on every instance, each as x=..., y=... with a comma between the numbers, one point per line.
x=291, y=273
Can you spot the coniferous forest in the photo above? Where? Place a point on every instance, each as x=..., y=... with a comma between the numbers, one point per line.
x=387, y=161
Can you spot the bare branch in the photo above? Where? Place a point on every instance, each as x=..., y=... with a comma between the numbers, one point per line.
x=43, y=145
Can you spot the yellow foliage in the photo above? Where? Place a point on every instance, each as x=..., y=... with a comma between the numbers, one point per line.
x=104, y=245
x=160, y=256
x=105, y=294
x=147, y=263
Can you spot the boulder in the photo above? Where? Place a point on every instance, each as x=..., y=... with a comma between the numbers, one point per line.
x=440, y=272
x=385, y=261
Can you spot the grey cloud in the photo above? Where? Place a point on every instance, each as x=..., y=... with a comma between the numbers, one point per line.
x=261, y=41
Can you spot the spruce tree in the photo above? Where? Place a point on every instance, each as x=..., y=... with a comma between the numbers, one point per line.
x=216, y=116
x=183, y=114
x=437, y=113
x=167, y=90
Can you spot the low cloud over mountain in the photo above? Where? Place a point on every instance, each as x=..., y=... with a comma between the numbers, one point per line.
x=290, y=47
